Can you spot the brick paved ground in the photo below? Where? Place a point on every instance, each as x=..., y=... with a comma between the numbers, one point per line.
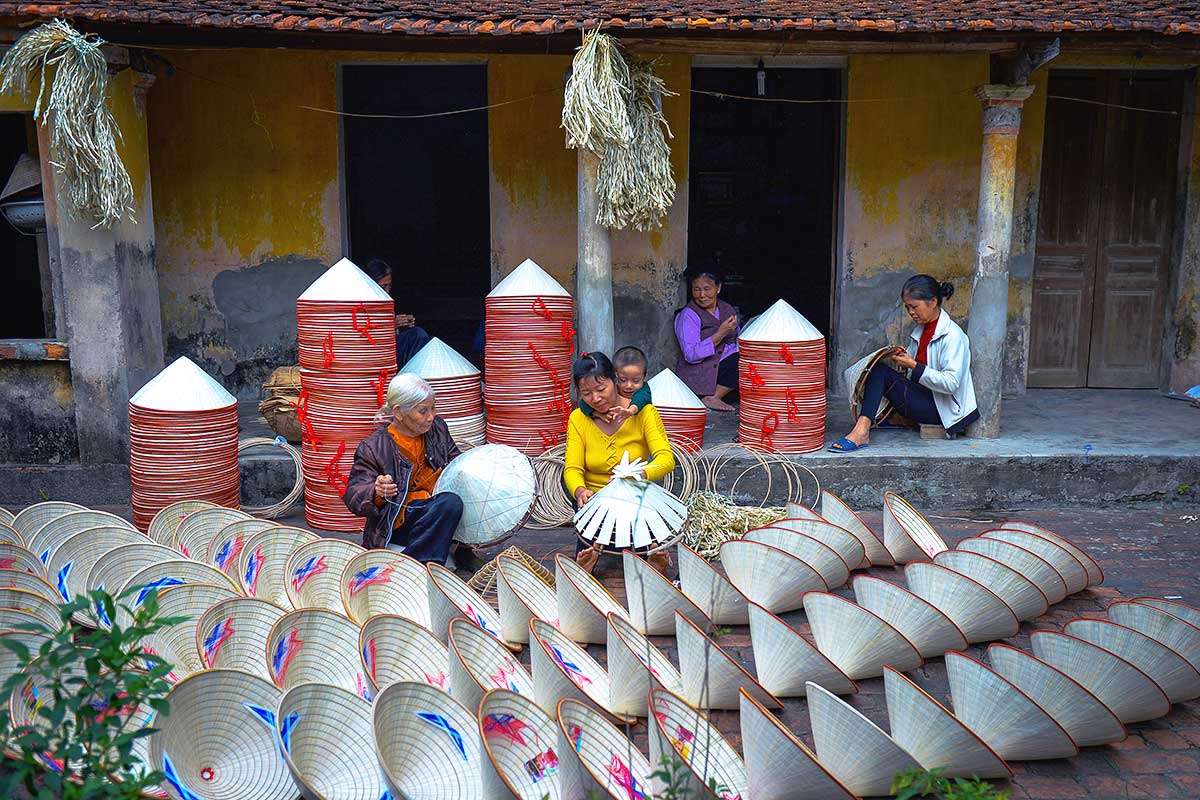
x=1143, y=551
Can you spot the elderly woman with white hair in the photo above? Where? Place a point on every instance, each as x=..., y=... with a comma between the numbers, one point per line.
x=392, y=480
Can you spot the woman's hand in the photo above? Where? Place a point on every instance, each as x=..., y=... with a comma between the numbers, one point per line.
x=405, y=320
x=582, y=495
x=385, y=487
x=903, y=359
x=728, y=326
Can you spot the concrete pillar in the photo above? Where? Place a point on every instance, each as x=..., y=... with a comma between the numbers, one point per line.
x=593, y=274
x=993, y=232
x=109, y=289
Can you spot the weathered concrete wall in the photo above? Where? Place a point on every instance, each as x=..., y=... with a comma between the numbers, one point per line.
x=37, y=406
x=1183, y=331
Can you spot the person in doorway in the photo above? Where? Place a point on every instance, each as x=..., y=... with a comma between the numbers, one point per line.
x=934, y=385
x=707, y=329
x=629, y=363
x=394, y=473
x=596, y=444
x=410, y=337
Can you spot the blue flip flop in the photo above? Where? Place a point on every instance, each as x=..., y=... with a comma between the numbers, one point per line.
x=846, y=446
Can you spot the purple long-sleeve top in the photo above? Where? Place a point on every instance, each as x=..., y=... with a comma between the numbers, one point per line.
x=696, y=349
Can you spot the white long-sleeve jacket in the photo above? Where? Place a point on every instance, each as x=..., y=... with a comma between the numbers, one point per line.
x=948, y=371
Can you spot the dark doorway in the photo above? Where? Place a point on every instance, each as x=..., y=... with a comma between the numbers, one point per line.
x=1104, y=229
x=24, y=317
x=417, y=189
x=763, y=186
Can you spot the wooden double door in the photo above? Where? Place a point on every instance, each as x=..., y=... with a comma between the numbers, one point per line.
x=1104, y=229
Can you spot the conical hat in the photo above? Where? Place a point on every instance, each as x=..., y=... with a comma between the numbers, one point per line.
x=918, y=620
x=518, y=742
x=73, y=560
x=385, y=582
x=847, y=545
x=800, y=511
x=653, y=600
x=1073, y=572
x=1029, y=564
x=427, y=743
x=593, y=755
x=160, y=576
x=824, y=559
x=785, y=661
x=35, y=604
x=781, y=323
x=229, y=542
x=450, y=597
x=768, y=576
x=313, y=573
x=163, y=525
x=528, y=280
x=712, y=677
x=679, y=731
x=315, y=644
x=13, y=620
x=182, y=386
x=329, y=744
x=221, y=738
x=833, y=509
x=522, y=595
x=497, y=486
x=10, y=535
x=115, y=567
x=1188, y=614
x=176, y=644
x=778, y=764
x=635, y=667
x=1022, y=595
x=1177, y=677
x=438, y=360
x=10, y=662
x=933, y=735
x=16, y=556
x=710, y=590
x=28, y=520
x=979, y=612
x=344, y=282
x=1161, y=626
x=195, y=533
x=26, y=174
x=1095, y=574
x=907, y=535
x=395, y=649
x=6, y=516
x=260, y=566
x=1081, y=714
x=47, y=538
x=232, y=634
x=1131, y=694
x=1011, y=723
x=583, y=603
x=854, y=749
x=480, y=663
x=856, y=640
x=669, y=391
x=563, y=669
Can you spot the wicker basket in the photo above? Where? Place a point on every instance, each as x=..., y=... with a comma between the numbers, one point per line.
x=785, y=660
x=485, y=580
x=28, y=521
x=518, y=740
x=221, y=739
x=852, y=551
x=1011, y=723
x=635, y=667
x=1132, y=694
x=523, y=594
x=394, y=649
x=232, y=634
x=427, y=743
x=856, y=640
x=677, y=730
x=1177, y=677
x=176, y=644
x=978, y=611
x=1021, y=594
x=47, y=538
x=480, y=663
x=768, y=576
x=653, y=600
x=328, y=740
x=385, y=582
x=313, y=573
x=832, y=568
x=710, y=590
x=834, y=510
x=166, y=521
x=907, y=535
x=450, y=597
x=594, y=756
x=1030, y=565
x=260, y=566
x=1072, y=570
x=917, y=620
x=278, y=408
x=583, y=603
x=778, y=764
x=230, y=541
x=712, y=677
x=315, y=644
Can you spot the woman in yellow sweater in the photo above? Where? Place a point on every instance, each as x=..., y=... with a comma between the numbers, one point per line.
x=595, y=445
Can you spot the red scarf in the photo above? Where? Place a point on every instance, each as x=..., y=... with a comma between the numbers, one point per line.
x=926, y=338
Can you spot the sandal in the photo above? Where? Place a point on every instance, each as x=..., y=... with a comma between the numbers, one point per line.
x=844, y=445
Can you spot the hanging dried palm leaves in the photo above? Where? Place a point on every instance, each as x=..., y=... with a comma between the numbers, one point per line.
x=596, y=99
x=84, y=134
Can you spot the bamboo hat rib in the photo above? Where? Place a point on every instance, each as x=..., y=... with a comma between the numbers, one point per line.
x=1026, y=562
x=593, y=755
x=1021, y=594
x=712, y=677
x=1162, y=626
x=229, y=542
x=195, y=532
x=28, y=521
x=653, y=599
x=313, y=573
x=834, y=510
x=710, y=590
x=1071, y=569
x=1095, y=574
x=394, y=649
x=328, y=741
x=918, y=620
x=522, y=596
x=315, y=644
x=47, y=538
x=260, y=566
x=635, y=667
x=427, y=743
x=848, y=546
x=907, y=535
x=978, y=611
x=385, y=582
x=824, y=559
x=583, y=603
x=768, y=576
x=1174, y=673
x=519, y=740
x=563, y=669
x=449, y=597
x=1081, y=714
x=167, y=520
x=232, y=634
x=1131, y=694
x=480, y=663
x=857, y=641
x=678, y=730
x=785, y=660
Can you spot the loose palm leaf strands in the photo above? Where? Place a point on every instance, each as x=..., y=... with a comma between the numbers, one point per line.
x=596, y=98
x=714, y=520
x=84, y=135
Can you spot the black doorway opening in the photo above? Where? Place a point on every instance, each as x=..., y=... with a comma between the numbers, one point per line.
x=417, y=189
x=763, y=186
x=24, y=317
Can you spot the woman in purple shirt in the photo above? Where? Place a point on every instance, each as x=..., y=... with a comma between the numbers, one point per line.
x=707, y=329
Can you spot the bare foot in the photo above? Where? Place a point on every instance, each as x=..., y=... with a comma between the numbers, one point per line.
x=717, y=404
x=660, y=561
x=587, y=558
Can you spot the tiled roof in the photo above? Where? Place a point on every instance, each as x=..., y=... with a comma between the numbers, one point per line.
x=554, y=16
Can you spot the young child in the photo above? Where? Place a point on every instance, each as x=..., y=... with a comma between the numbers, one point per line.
x=630, y=364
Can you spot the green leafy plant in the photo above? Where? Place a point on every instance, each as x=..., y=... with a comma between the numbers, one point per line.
x=673, y=775
x=918, y=782
x=90, y=698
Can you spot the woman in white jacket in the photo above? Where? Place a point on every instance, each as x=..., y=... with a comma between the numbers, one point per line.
x=934, y=386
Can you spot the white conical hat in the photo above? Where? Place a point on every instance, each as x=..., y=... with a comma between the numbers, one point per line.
x=1132, y=695
x=653, y=599
x=669, y=391
x=781, y=323
x=528, y=280
x=344, y=282
x=778, y=764
x=711, y=676
x=439, y=360
x=1171, y=671
x=183, y=387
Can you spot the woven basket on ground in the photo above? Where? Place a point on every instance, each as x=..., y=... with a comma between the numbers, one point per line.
x=278, y=408
x=484, y=581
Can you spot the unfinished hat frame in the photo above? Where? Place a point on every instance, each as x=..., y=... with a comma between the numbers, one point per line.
x=785, y=660
x=857, y=641
x=427, y=743
x=712, y=677
x=768, y=576
x=395, y=649
x=480, y=663
x=907, y=535
x=918, y=620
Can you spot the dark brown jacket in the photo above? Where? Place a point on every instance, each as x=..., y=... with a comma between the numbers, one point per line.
x=378, y=455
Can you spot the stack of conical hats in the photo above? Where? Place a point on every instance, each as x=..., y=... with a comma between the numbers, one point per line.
x=458, y=386
x=682, y=413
